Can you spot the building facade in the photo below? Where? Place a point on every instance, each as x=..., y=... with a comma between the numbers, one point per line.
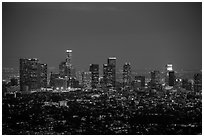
x=111, y=72
x=197, y=82
x=171, y=78
x=33, y=75
x=126, y=75
x=94, y=69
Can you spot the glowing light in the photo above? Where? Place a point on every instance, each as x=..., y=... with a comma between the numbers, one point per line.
x=169, y=67
x=68, y=50
x=112, y=57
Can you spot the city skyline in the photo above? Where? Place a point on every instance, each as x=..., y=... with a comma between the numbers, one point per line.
x=148, y=35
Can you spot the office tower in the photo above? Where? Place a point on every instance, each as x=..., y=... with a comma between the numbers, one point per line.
x=79, y=77
x=94, y=69
x=86, y=80
x=57, y=82
x=62, y=69
x=126, y=75
x=171, y=78
x=42, y=75
x=68, y=67
x=73, y=72
x=197, y=82
x=105, y=74
x=155, y=79
x=169, y=68
x=139, y=82
x=29, y=74
x=111, y=70
x=53, y=77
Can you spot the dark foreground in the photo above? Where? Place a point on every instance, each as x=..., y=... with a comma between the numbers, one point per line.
x=146, y=112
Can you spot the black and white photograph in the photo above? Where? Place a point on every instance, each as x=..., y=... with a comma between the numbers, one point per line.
x=101, y=68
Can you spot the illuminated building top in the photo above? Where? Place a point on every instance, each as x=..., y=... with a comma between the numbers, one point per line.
x=169, y=67
x=68, y=50
x=112, y=58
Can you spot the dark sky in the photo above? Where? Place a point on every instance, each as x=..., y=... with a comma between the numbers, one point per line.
x=148, y=35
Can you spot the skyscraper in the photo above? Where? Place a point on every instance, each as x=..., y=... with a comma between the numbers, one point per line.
x=68, y=67
x=169, y=68
x=105, y=73
x=155, y=79
x=42, y=70
x=86, y=80
x=126, y=75
x=62, y=69
x=111, y=72
x=57, y=82
x=171, y=78
x=33, y=75
x=94, y=69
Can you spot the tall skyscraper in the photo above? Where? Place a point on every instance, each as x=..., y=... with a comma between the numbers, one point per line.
x=62, y=69
x=198, y=82
x=68, y=67
x=105, y=73
x=94, y=69
x=171, y=78
x=126, y=75
x=86, y=80
x=33, y=75
x=155, y=79
x=111, y=72
x=42, y=75
x=169, y=68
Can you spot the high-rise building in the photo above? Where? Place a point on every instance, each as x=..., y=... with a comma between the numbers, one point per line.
x=155, y=79
x=111, y=72
x=126, y=75
x=105, y=73
x=94, y=69
x=198, y=82
x=86, y=80
x=33, y=75
x=68, y=67
x=42, y=75
x=63, y=69
x=57, y=82
x=171, y=78
x=169, y=68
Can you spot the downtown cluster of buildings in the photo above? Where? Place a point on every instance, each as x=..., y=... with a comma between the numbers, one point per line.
x=101, y=103
x=33, y=76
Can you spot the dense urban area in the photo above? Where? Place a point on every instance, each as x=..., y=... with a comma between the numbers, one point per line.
x=159, y=102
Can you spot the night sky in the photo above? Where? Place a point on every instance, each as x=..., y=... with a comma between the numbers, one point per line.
x=148, y=35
